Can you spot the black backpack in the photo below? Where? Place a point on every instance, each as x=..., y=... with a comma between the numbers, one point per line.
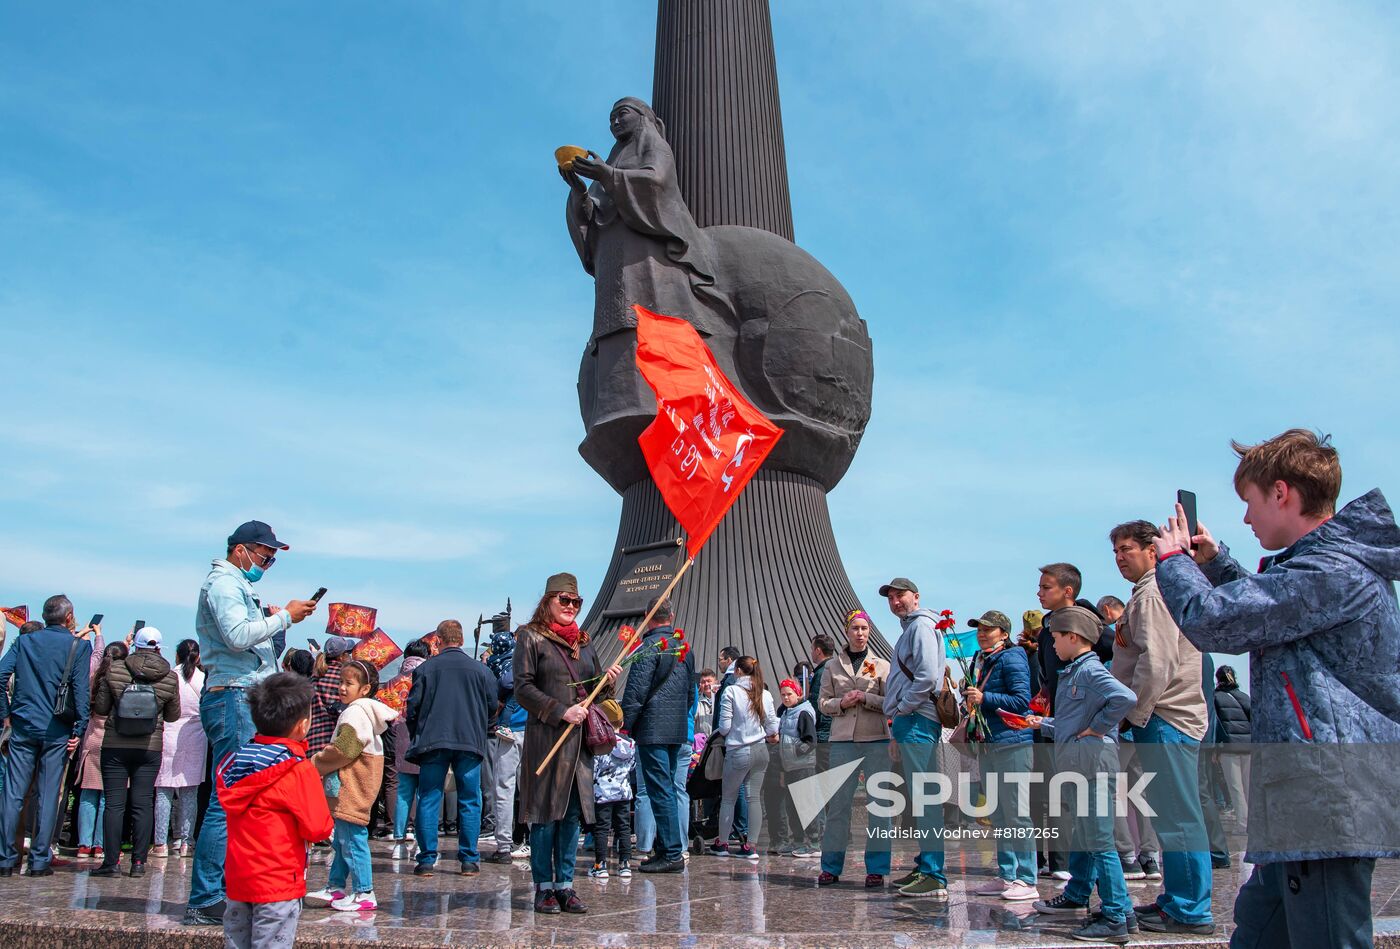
x=137, y=710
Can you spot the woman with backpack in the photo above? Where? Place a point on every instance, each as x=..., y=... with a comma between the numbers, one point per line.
x=138, y=695
x=90, y=809
x=181, y=761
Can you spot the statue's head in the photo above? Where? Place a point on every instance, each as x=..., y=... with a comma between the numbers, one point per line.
x=629, y=115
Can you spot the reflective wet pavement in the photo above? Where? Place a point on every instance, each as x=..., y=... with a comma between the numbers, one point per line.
x=716, y=902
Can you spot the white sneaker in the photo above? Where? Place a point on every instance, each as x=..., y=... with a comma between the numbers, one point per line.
x=995, y=888
x=359, y=903
x=1061, y=874
x=520, y=852
x=322, y=898
x=1017, y=891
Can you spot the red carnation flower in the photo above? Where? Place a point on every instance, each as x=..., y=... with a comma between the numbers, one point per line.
x=946, y=613
x=685, y=648
x=680, y=636
x=664, y=644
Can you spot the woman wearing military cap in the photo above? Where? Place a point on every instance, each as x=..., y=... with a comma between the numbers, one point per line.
x=552, y=657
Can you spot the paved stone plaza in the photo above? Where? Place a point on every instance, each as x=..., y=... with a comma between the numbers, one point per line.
x=716, y=902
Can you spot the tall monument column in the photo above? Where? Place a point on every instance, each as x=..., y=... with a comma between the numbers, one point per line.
x=706, y=163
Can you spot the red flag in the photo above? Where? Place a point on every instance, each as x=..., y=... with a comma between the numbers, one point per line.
x=18, y=615
x=377, y=649
x=350, y=620
x=707, y=440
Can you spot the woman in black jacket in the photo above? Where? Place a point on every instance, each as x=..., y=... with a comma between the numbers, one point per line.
x=1233, y=728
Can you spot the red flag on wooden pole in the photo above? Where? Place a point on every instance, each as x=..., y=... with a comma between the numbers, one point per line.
x=707, y=440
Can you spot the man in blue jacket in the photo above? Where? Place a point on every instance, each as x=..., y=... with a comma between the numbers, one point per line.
x=40, y=663
x=450, y=712
x=236, y=646
x=1321, y=625
x=657, y=712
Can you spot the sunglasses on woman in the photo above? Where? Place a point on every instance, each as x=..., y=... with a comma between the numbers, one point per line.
x=575, y=601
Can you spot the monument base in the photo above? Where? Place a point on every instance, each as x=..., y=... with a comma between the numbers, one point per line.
x=767, y=581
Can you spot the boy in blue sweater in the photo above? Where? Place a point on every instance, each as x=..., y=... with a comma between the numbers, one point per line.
x=1090, y=703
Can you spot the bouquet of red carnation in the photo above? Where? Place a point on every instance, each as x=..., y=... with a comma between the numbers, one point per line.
x=673, y=645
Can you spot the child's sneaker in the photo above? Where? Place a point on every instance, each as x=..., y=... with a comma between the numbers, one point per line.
x=359, y=903
x=746, y=852
x=599, y=871
x=322, y=898
x=624, y=870
x=718, y=849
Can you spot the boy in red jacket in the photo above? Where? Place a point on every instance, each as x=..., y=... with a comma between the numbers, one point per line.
x=275, y=805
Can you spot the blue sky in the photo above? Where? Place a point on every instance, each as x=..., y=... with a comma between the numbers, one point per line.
x=307, y=263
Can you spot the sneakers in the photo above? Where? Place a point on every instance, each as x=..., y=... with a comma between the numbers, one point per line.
x=874, y=881
x=599, y=871
x=159, y=852
x=545, y=902
x=655, y=865
x=907, y=879
x=1151, y=869
x=359, y=903
x=828, y=879
x=1019, y=891
x=801, y=852
x=1061, y=875
x=1099, y=929
x=204, y=915
x=85, y=853
x=401, y=850
x=927, y=886
x=97, y=853
x=718, y=849
x=1160, y=922
x=1061, y=906
x=1132, y=869
x=521, y=852
x=470, y=869
x=322, y=898
x=569, y=902
x=424, y=870
x=746, y=852
x=624, y=869
x=995, y=888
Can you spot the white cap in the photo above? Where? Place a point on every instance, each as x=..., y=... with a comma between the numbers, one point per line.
x=147, y=637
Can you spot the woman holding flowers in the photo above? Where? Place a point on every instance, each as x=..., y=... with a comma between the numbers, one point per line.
x=999, y=681
x=555, y=667
x=853, y=694
x=656, y=707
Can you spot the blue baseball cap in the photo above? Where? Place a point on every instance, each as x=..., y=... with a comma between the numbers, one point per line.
x=255, y=532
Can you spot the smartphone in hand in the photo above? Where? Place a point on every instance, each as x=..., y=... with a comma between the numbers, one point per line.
x=96, y=621
x=1187, y=500
x=316, y=597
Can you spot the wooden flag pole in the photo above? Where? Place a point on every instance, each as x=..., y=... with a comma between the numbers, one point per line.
x=637, y=634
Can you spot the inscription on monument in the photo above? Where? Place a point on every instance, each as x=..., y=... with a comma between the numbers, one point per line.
x=644, y=572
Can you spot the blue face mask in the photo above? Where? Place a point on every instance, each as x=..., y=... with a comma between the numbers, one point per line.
x=253, y=574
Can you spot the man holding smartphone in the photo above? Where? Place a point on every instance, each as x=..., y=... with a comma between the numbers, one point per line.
x=236, y=645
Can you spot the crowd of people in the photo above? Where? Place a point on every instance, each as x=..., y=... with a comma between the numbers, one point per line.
x=682, y=764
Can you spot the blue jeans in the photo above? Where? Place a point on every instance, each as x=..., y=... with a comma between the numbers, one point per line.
x=28, y=755
x=1175, y=795
x=917, y=738
x=408, y=787
x=1094, y=859
x=657, y=763
x=91, y=805
x=228, y=726
x=1015, y=855
x=645, y=823
x=432, y=775
x=554, y=846
x=351, y=862
x=874, y=756
x=682, y=795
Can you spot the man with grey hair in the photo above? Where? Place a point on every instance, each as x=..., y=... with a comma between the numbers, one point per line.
x=1110, y=608
x=656, y=707
x=47, y=717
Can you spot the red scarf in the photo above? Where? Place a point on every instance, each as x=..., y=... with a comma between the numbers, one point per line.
x=568, y=633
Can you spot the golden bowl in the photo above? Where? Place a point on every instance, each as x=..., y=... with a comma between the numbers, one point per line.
x=565, y=155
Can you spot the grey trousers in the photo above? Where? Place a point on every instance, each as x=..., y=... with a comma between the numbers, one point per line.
x=505, y=760
x=743, y=767
x=261, y=925
x=1123, y=827
x=1314, y=904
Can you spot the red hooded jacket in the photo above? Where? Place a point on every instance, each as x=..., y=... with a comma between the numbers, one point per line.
x=273, y=799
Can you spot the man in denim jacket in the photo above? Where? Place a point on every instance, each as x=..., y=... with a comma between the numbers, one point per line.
x=1322, y=628
x=236, y=648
